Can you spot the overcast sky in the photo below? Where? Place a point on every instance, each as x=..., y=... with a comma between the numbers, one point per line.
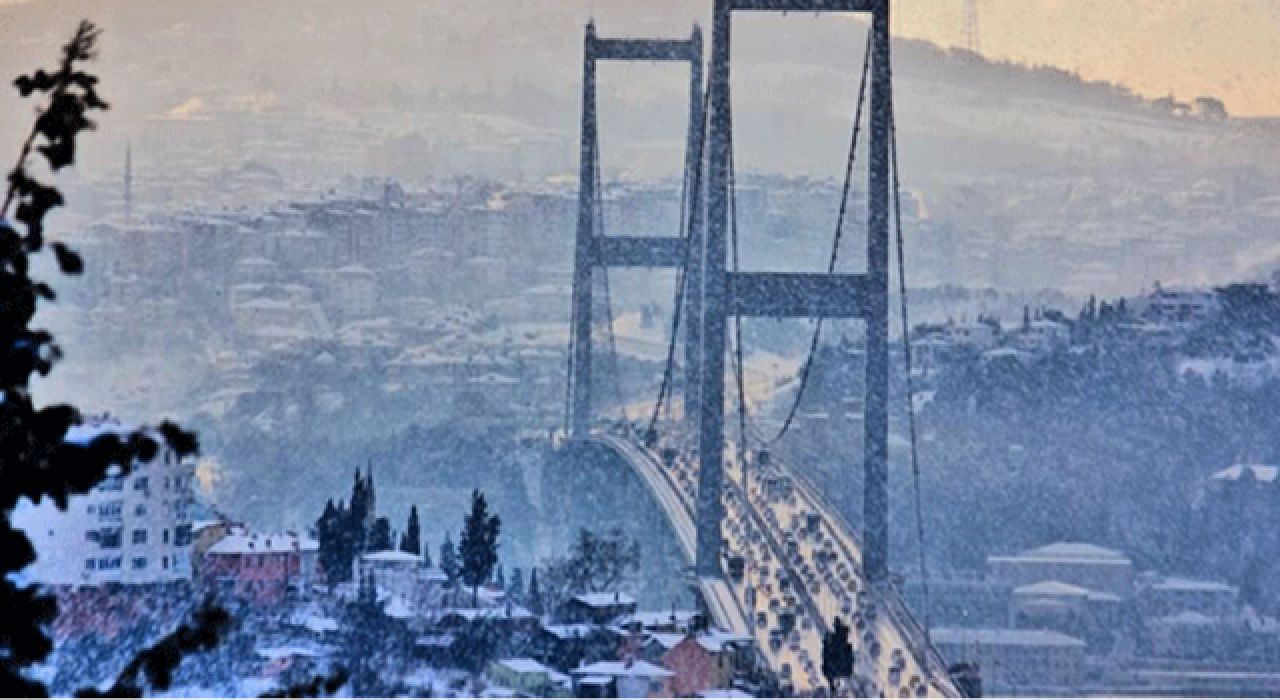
x=1227, y=48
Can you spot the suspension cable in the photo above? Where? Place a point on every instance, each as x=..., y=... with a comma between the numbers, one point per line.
x=608, y=302
x=906, y=351
x=835, y=245
x=737, y=320
x=568, y=377
x=693, y=171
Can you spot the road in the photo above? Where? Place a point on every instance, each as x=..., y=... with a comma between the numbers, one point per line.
x=799, y=574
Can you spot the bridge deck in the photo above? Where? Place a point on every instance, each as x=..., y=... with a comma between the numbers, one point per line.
x=759, y=528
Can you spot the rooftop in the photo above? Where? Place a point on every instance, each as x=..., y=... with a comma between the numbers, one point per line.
x=1004, y=637
x=392, y=555
x=1075, y=552
x=1260, y=473
x=642, y=669
x=1054, y=588
x=245, y=543
x=1186, y=584
x=600, y=600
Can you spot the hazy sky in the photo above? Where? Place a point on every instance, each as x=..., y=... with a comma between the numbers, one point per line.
x=1226, y=48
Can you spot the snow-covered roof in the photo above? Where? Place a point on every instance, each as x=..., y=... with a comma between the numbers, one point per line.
x=435, y=640
x=501, y=612
x=666, y=641
x=1260, y=473
x=1053, y=588
x=1004, y=637
x=1185, y=584
x=600, y=600
x=716, y=640
x=246, y=543
x=569, y=631
x=392, y=555
x=724, y=693
x=1076, y=552
x=90, y=428
x=1187, y=618
x=640, y=669
x=523, y=666
x=660, y=618
x=398, y=608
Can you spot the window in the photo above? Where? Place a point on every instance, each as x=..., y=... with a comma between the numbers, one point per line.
x=112, y=483
x=110, y=512
x=91, y=536
x=110, y=538
x=164, y=562
x=166, y=479
x=90, y=564
x=166, y=537
x=92, y=509
x=140, y=484
x=104, y=563
x=140, y=563
x=140, y=510
x=139, y=536
x=115, y=562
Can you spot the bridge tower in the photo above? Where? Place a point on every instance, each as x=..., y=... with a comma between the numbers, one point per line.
x=593, y=249
x=790, y=295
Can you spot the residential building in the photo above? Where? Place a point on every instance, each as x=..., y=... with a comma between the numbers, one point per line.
x=1016, y=662
x=529, y=678
x=1180, y=305
x=630, y=679
x=261, y=568
x=129, y=529
x=705, y=661
x=597, y=608
x=1173, y=595
x=1084, y=565
x=397, y=572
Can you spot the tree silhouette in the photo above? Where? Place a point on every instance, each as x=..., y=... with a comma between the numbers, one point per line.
x=478, y=545
x=535, y=595
x=449, y=559
x=411, y=541
x=380, y=536
x=37, y=463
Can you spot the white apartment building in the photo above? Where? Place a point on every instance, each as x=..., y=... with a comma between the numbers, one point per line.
x=1017, y=662
x=130, y=530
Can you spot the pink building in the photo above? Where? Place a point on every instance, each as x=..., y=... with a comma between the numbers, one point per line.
x=261, y=568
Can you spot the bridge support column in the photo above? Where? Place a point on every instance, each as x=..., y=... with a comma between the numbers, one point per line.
x=790, y=295
x=875, y=499
x=711, y=391
x=580, y=381
x=592, y=248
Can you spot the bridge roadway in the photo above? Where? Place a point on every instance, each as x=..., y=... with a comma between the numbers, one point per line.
x=809, y=572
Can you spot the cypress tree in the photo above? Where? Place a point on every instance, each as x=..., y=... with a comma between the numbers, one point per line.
x=412, y=540
x=479, y=544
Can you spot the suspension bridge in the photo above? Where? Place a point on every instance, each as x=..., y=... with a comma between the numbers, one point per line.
x=769, y=555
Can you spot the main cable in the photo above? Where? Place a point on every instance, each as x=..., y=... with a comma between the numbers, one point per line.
x=682, y=274
x=608, y=302
x=807, y=369
x=906, y=352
